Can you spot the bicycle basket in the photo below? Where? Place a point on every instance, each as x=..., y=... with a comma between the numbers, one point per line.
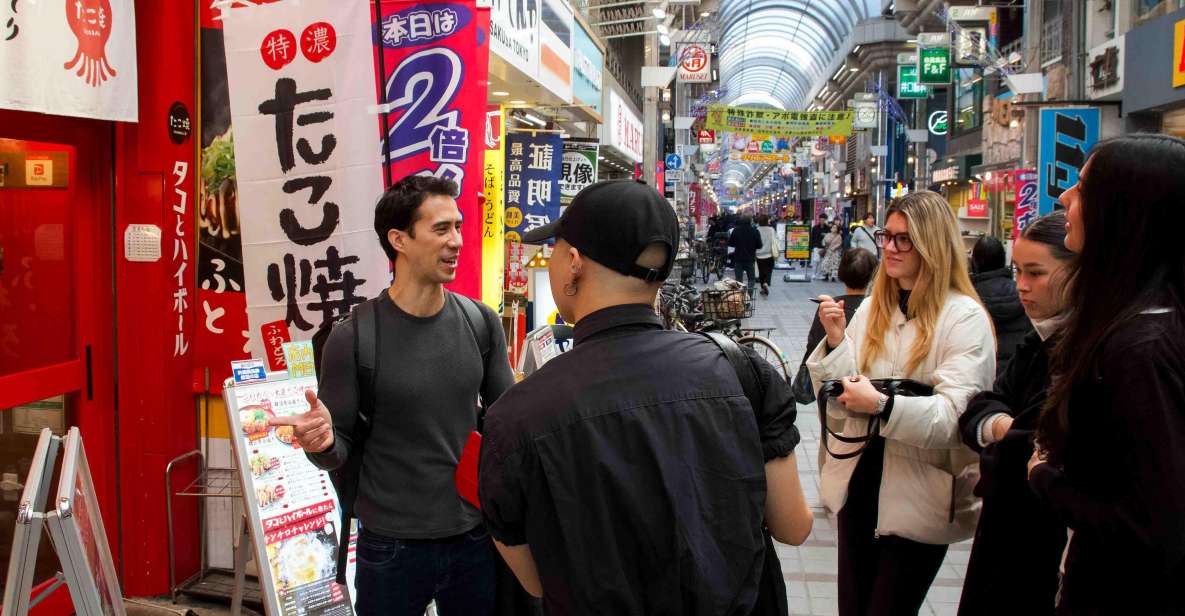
x=730, y=304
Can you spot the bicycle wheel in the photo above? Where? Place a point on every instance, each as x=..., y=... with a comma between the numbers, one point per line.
x=770, y=352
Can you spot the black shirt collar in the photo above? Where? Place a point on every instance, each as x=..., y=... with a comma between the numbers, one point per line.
x=613, y=317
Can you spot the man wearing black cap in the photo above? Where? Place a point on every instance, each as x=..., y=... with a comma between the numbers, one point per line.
x=631, y=475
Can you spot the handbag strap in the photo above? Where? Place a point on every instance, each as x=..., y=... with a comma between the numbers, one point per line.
x=828, y=433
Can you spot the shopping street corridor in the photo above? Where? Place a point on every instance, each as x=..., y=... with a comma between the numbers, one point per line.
x=810, y=569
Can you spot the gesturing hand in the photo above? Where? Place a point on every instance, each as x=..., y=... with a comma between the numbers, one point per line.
x=1038, y=458
x=312, y=429
x=834, y=321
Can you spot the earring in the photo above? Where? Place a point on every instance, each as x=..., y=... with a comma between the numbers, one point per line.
x=570, y=289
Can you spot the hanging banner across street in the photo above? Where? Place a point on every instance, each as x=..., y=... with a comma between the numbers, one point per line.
x=533, y=165
x=301, y=77
x=579, y=168
x=1067, y=135
x=435, y=66
x=787, y=123
x=70, y=58
x=694, y=64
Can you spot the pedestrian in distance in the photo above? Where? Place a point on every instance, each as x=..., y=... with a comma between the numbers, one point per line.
x=832, y=252
x=864, y=236
x=1019, y=543
x=745, y=241
x=419, y=540
x=817, y=232
x=1110, y=462
x=767, y=254
x=633, y=474
x=908, y=495
x=993, y=281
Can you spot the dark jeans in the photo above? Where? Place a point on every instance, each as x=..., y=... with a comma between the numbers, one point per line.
x=765, y=270
x=399, y=577
x=746, y=267
x=885, y=575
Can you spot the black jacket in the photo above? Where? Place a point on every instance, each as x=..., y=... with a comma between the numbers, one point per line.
x=1019, y=542
x=998, y=292
x=817, y=233
x=1121, y=487
x=746, y=240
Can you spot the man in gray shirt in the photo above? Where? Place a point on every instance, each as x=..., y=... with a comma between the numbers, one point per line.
x=420, y=540
x=865, y=235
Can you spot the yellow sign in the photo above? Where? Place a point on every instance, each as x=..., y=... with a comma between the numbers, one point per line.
x=1179, y=54
x=493, y=228
x=761, y=158
x=790, y=123
x=299, y=356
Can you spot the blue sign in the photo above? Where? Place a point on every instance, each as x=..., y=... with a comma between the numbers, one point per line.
x=587, y=69
x=534, y=165
x=248, y=370
x=1067, y=136
x=674, y=162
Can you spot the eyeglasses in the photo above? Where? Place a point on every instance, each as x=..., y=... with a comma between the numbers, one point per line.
x=900, y=240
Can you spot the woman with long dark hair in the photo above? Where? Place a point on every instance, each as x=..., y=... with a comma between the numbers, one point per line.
x=1110, y=461
x=1018, y=542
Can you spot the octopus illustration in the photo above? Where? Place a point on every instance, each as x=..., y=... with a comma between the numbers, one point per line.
x=90, y=20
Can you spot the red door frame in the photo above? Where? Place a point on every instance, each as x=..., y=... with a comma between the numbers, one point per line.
x=91, y=182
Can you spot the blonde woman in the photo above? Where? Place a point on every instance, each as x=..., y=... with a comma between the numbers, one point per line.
x=909, y=494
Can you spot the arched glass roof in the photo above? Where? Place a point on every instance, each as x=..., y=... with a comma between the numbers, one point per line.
x=773, y=51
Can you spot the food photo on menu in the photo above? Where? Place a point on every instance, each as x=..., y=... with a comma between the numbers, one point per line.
x=304, y=559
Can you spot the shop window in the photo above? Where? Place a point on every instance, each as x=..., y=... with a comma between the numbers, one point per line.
x=968, y=101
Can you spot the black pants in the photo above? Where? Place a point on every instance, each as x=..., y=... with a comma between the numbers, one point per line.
x=879, y=576
x=765, y=270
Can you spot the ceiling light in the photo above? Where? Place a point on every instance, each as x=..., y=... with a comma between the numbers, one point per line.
x=663, y=29
x=659, y=13
x=665, y=40
x=518, y=102
x=500, y=93
x=706, y=14
x=534, y=119
x=853, y=70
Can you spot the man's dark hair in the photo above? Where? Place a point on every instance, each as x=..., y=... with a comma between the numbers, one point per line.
x=987, y=255
x=857, y=267
x=762, y=220
x=398, y=207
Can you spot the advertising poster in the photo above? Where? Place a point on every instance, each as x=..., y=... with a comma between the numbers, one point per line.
x=798, y=242
x=533, y=165
x=514, y=34
x=301, y=84
x=292, y=506
x=69, y=58
x=434, y=65
x=694, y=64
x=493, y=224
x=1026, y=200
x=752, y=120
x=1067, y=136
x=579, y=169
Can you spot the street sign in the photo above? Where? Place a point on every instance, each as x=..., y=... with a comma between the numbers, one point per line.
x=934, y=65
x=674, y=162
x=938, y=122
x=907, y=83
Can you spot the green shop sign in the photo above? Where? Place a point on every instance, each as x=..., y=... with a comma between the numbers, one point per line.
x=907, y=83
x=934, y=65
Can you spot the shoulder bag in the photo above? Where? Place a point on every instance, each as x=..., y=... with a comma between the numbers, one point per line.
x=889, y=387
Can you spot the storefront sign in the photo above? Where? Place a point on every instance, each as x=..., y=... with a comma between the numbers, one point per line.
x=865, y=114
x=70, y=58
x=1106, y=68
x=971, y=46
x=555, y=48
x=694, y=64
x=946, y=174
x=976, y=201
x=305, y=160
x=436, y=59
x=180, y=125
x=514, y=34
x=1026, y=199
x=706, y=136
x=798, y=242
x=533, y=165
x=934, y=61
x=907, y=83
x=1067, y=135
x=587, y=69
x=624, y=129
x=786, y=123
x=579, y=169
x=938, y=122
x=493, y=229
x=1179, y=54
x=178, y=228
x=292, y=508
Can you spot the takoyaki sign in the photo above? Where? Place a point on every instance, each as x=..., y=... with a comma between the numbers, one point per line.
x=72, y=58
x=292, y=507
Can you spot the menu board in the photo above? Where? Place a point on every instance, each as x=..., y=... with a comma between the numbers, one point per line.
x=798, y=243
x=292, y=507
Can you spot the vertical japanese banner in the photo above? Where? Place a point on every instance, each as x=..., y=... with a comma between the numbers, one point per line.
x=579, y=168
x=1067, y=136
x=301, y=83
x=1026, y=200
x=434, y=65
x=533, y=165
x=493, y=230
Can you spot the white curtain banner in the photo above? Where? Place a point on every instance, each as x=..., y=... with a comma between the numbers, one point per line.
x=301, y=77
x=69, y=58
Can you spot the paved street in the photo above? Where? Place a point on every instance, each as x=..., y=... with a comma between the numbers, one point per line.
x=810, y=569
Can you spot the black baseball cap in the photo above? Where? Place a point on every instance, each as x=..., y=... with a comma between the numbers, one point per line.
x=612, y=222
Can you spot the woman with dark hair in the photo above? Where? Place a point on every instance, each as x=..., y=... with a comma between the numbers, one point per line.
x=767, y=254
x=832, y=252
x=1110, y=461
x=993, y=281
x=1018, y=542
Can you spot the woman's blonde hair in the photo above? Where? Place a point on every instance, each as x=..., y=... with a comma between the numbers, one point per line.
x=935, y=235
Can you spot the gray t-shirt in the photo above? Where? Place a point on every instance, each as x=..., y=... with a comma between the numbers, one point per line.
x=426, y=399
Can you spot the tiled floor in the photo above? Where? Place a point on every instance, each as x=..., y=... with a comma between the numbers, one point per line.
x=810, y=569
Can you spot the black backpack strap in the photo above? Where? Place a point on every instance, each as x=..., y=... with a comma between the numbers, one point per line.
x=746, y=372
x=476, y=322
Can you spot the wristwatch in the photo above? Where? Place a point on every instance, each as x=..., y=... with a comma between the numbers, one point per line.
x=880, y=404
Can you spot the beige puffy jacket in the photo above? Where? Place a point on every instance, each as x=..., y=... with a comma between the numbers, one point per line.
x=928, y=476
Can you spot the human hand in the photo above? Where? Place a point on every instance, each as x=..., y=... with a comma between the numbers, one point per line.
x=1038, y=458
x=831, y=315
x=859, y=395
x=312, y=429
x=1000, y=427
